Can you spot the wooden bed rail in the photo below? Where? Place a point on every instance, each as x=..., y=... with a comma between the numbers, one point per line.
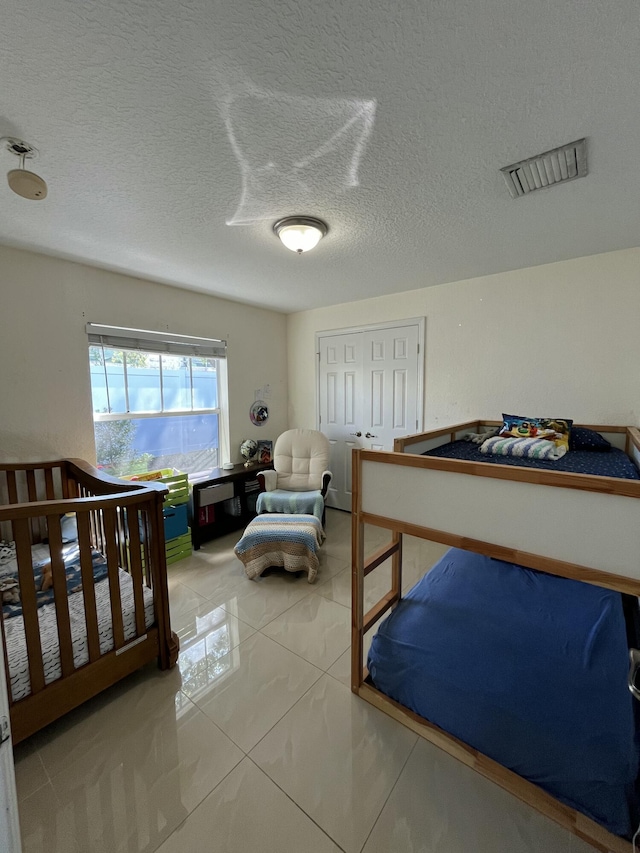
x=77, y=469
x=362, y=566
x=632, y=447
x=98, y=482
x=60, y=479
x=64, y=505
x=383, y=501
x=450, y=433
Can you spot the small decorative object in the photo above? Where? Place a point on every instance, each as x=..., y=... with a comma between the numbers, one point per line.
x=264, y=452
x=259, y=413
x=248, y=450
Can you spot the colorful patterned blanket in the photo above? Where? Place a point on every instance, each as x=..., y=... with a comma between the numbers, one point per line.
x=280, y=500
x=288, y=541
x=40, y=557
x=526, y=448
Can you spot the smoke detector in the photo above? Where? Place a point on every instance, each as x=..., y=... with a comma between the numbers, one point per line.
x=548, y=169
x=23, y=182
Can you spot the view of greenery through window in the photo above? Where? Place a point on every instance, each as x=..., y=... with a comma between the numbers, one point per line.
x=154, y=411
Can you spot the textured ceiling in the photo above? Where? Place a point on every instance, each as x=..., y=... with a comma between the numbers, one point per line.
x=173, y=134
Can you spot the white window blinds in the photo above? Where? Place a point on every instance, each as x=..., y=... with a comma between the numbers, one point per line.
x=114, y=337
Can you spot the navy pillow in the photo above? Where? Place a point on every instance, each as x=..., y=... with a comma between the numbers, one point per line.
x=582, y=438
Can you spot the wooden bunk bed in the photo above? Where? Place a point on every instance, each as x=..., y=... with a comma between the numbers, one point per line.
x=478, y=507
x=93, y=627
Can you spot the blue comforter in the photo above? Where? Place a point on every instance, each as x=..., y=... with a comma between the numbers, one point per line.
x=528, y=668
x=614, y=463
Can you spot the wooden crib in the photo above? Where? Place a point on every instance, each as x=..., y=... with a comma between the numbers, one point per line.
x=115, y=616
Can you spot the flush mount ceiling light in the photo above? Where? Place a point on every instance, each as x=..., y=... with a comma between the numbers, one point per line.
x=23, y=182
x=300, y=233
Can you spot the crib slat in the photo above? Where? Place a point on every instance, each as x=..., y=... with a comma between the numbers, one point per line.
x=48, y=479
x=146, y=538
x=73, y=487
x=6, y=656
x=88, y=586
x=135, y=562
x=60, y=596
x=111, y=553
x=98, y=531
x=123, y=557
x=64, y=479
x=93, y=530
x=12, y=487
x=29, y=603
x=32, y=491
x=31, y=485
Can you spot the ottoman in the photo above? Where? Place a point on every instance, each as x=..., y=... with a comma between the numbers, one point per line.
x=275, y=539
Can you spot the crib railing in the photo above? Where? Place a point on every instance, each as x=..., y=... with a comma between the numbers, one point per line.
x=120, y=520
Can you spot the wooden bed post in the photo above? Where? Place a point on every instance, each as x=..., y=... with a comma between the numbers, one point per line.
x=396, y=565
x=169, y=645
x=357, y=575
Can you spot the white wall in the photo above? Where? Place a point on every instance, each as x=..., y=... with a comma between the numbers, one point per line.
x=45, y=393
x=560, y=340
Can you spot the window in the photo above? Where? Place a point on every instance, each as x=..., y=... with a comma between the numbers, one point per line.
x=156, y=400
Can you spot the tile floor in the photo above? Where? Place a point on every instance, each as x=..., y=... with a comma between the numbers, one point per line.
x=255, y=744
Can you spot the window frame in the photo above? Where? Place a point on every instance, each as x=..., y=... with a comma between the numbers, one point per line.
x=162, y=344
x=134, y=414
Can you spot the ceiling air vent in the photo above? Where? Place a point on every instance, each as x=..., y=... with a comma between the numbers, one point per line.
x=553, y=167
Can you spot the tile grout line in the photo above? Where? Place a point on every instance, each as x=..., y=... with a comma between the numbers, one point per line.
x=299, y=699
x=197, y=806
x=297, y=805
x=260, y=631
x=393, y=787
x=202, y=710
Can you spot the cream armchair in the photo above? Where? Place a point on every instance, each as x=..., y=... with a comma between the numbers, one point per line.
x=300, y=479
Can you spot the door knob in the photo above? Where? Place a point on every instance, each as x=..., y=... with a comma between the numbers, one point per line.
x=370, y=435
x=356, y=433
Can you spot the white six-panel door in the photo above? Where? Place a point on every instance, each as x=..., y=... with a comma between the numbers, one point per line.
x=341, y=408
x=370, y=392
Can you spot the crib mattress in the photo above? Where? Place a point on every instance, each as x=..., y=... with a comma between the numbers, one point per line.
x=528, y=668
x=16, y=641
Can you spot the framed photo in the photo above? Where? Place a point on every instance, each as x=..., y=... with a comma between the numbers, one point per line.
x=264, y=454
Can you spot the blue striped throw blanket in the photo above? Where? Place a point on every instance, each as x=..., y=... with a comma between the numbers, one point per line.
x=280, y=500
x=289, y=541
x=524, y=448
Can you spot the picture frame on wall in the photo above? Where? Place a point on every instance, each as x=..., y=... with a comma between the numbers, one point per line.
x=264, y=456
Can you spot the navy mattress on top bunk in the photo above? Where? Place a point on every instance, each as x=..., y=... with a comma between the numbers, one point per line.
x=528, y=668
x=613, y=463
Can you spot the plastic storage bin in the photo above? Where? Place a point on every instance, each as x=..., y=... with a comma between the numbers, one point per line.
x=175, y=521
x=179, y=548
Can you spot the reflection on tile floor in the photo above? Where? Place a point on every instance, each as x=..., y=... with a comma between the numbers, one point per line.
x=254, y=743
